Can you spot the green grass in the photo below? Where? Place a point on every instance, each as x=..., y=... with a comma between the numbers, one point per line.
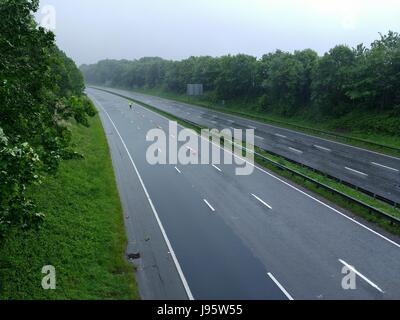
x=83, y=235
x=358, y=129
x=333, y=197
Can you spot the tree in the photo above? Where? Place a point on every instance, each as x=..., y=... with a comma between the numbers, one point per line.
x=40, y=89
x=287, y=80
x=377, y=74
x=332, y=76
x=341, y=81
x=236, y=77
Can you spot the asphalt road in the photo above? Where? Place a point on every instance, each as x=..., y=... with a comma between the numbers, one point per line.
x=371, y=171
x=207, y=233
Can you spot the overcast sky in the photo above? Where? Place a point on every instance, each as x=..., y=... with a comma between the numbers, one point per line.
x=91, y=30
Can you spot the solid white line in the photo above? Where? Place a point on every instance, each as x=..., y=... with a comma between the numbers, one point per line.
x=308, y=195
x=209, y=205
x=322, y=148
x=280, y=287
x=217, y=168
x=258, y=137
x=304, y=134
x=386, y=167
x=252, y=127
x=356, y=171
x=309, y=135
x=280, y=135
x=315, y=199
x=361, y=275
x=263, y=202
x=295, y=150
x=171, y=250
x=179, y=171
x=297, y=189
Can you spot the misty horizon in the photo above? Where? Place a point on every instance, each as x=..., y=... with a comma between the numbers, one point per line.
x=175, y=30
x=230, y=54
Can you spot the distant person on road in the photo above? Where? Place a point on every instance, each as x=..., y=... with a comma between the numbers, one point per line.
x=130, y=105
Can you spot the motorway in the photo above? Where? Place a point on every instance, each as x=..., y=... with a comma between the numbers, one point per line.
x=374, y=172
x=205, y=233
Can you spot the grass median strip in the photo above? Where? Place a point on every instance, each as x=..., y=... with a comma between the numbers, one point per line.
x=83, y=235
x=334, y=198
x=379, y=143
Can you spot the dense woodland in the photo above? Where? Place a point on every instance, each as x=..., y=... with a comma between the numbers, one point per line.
x=41, y=89
x=341, y=81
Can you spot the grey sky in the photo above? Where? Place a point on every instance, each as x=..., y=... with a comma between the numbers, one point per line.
x=91, y=30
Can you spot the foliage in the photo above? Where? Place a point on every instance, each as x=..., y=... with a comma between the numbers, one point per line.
x=340, y=82
x=40, y=90
x=82, y=236
x=331, y=78
x=376, y=77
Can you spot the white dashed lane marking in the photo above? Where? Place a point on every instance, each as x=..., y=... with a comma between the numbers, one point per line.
x=356, y=171
x=215, y=167
x=383, y=166
x=262, y=201
x=296, y=150
x=322, y=148
x=209, y=205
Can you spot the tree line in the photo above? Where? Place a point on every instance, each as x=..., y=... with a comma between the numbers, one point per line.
x=342, y=80
x=41, y=90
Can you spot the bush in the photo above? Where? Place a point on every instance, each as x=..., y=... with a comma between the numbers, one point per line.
x=19, y=167
x=40, y=90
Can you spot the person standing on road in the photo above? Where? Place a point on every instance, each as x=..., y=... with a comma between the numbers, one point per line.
x=130, y=105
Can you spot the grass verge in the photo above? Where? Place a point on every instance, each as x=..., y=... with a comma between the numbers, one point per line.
x=325, y=129
x=83, y=235
x=332, y=197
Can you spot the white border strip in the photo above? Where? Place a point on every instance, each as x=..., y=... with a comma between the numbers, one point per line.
x=294, y=188
x=280, y=287
x=171, y=250
x=361, y=275
x=322, y=148
x=259, y=123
